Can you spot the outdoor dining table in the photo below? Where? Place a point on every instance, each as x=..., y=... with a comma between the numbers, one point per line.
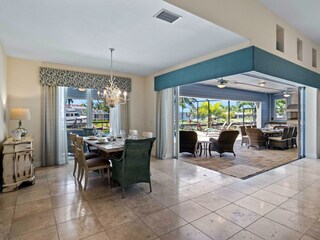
x=271, y=132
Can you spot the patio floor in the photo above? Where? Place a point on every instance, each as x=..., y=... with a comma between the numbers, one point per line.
x=246, y=163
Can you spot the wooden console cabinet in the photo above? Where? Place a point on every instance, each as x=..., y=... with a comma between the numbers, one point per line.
x=17, y=163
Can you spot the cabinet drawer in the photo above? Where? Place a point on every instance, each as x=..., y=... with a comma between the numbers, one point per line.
x=22, y=147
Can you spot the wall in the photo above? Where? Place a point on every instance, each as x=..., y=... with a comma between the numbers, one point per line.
x=252, y=20
x=24, y=91
x=3, y=95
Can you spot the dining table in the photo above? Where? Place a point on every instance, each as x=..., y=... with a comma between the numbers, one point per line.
x=271, y=132
x=107, y=146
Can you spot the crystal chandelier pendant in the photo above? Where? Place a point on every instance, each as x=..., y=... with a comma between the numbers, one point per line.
x=111, y=94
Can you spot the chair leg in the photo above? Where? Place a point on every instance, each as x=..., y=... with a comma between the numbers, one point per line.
x=86, y=178
x=81, y=177
x=150, y=186
x=102, y=175
x=79, y=172
x=234, y=154
x=75, y=167
x=108, y=169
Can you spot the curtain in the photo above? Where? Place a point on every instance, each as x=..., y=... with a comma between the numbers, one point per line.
x=54, y=135
x=115, y=120
x=164, y=113
x=119, y=118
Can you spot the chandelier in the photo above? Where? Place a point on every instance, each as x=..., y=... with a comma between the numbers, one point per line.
x=111, y=94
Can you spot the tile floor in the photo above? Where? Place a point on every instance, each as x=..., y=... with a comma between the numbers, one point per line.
x=187, y=202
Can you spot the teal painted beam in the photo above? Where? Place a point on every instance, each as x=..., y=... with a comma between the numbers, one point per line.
x=244, y=60
x=267, y=63
x=232, y=63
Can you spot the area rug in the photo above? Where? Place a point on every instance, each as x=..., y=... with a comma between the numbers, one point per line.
x=251, y=161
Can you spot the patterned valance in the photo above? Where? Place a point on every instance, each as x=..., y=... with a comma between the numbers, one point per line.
x=67, y=78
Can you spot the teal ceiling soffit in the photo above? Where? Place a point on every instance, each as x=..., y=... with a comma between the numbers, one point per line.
x=267, y=63
x=229, y=64
x=244, y=60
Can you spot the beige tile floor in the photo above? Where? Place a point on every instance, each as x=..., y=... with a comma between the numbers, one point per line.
x=187, y=202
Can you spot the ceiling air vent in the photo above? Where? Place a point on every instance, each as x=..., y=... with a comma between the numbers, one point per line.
x=167, y=16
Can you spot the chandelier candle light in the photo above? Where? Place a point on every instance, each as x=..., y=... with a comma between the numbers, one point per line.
x=111, y=94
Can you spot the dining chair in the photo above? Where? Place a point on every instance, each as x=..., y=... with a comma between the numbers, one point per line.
x=133, y=133
x=294, y=137
x=147, y=134
x=244, y=136
x=289, y=137
x=279, y=142
x=256, y=138
x=134, y=164
x=73, y=139
x=92, y=164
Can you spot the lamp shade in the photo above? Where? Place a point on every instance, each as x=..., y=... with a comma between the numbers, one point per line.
x=20, y=114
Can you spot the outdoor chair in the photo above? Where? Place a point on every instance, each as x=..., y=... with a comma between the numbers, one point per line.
x=188, y=142
x=224, y=143
x=280, y=142
x=134, y=164
x=256, y=138
x=245, y=138
x=289, y=138
x=294, y=137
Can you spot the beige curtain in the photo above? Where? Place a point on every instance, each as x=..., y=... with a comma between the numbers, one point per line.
x=53, y=127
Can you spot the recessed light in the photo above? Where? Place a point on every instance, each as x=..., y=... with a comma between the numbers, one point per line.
x=262, y=83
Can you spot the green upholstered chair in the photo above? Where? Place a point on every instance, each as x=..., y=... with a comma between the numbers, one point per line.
x=134, y=164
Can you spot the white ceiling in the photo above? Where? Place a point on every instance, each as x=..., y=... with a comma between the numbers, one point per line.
x=80, y=32
x=250, y=81
x=301, y=14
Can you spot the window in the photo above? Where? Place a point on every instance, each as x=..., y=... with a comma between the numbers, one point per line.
x=314, y=57
x=84, y=110
x=299, y=49
x=280, y=106
x=280, y=39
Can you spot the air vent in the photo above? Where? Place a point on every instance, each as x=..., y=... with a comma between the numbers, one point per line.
x=167, y=16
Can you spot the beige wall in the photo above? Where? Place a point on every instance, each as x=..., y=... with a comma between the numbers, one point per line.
x=3, y=94
x=23, y=90
x=252, y=20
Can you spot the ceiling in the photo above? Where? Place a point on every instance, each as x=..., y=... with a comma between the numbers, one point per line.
x=80, y=33
x=250, y=81
x=301, y=14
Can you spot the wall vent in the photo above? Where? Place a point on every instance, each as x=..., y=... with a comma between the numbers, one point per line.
x=167, y=16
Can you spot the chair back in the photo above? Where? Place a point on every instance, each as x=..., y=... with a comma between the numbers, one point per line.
x=285, y=132
x=295, y=132
x=90, y=131
x=290, y=132
x=80, y=152
x=188, y=141
x=228, y=137
x=243, y=131
x=136, y=158
x=256, y=137
x=133, y=133
x=254, y=133
x=73, y=142
x=147, y=134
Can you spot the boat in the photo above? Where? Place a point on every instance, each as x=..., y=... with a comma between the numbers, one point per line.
x=73, y=118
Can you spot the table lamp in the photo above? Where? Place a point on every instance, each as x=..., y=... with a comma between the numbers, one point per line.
x=20, y=114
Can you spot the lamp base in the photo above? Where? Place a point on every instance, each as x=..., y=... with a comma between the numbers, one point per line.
x=23, y=131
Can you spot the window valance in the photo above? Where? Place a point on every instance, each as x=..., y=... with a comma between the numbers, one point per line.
x=67, y=78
